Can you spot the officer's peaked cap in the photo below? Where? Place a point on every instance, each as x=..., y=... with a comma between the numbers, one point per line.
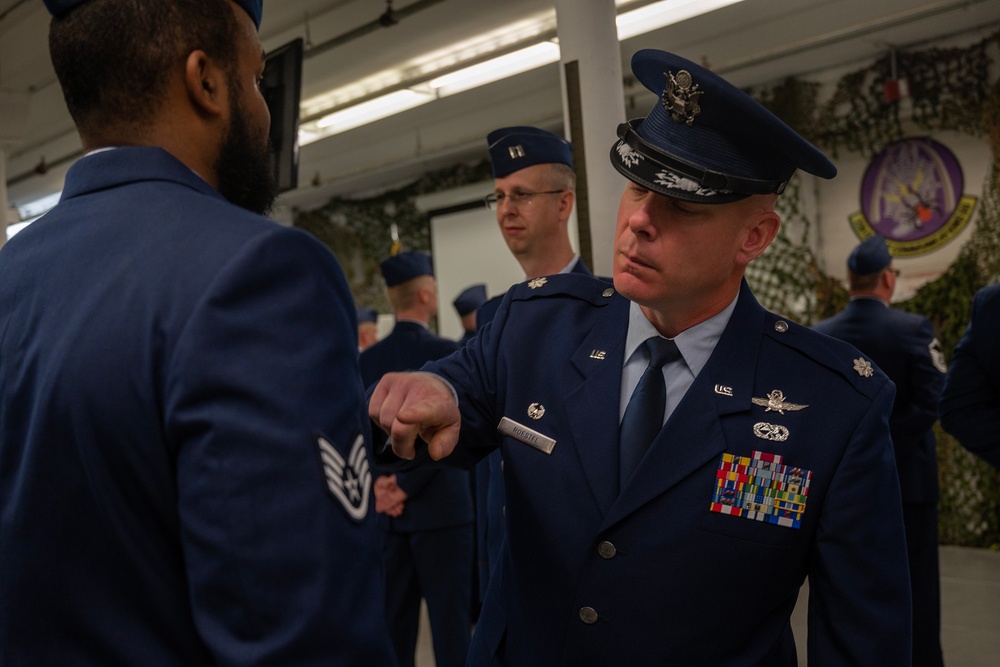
x=705, y=140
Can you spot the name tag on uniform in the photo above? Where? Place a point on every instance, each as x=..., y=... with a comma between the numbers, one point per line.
x=528, y=436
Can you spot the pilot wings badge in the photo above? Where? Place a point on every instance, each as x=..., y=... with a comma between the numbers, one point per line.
x=350, y=480
x=776, y=402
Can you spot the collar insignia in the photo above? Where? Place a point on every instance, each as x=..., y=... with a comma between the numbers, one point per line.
x=535, y=283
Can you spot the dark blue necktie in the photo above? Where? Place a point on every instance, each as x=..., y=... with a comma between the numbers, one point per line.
x=644, y=414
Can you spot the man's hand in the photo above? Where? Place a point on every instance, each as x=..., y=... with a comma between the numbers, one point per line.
x=389, y=497
x=408, y=405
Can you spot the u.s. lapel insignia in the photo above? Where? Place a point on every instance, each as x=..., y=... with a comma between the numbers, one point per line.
x=863, y=367
x=350, y=480
x=775, y=432
x=776, y=402
x=536, y=410
x=535, y=283
x=600, y=355
x=723, y=390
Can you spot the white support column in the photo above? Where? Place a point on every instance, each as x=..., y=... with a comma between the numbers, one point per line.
x=4, y=203
x=593, y=104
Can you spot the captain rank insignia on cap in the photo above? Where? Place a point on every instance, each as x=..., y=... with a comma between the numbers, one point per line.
x=761, y=488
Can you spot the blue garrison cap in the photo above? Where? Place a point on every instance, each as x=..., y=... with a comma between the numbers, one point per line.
x=514, y=148
x=470, y=299
x=367, y=315
x=705, y=140
x=406, y=266
x=871, y=255
x=255, y=8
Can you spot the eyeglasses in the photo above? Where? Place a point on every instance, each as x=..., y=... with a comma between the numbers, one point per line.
x=894, y=272
x=517, y=198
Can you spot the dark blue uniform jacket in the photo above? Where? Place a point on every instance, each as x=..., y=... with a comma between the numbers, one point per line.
x=166, y=363
x=649, y=574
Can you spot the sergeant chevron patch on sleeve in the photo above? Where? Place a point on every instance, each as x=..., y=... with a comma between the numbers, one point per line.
x=350, y=480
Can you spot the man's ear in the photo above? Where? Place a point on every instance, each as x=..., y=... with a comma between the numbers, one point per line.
x=205, y=83
x=759, y=234
x=566, y=200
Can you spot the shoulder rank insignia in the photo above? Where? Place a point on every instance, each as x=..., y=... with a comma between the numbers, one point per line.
x=776, y=402
x=535, y=283
x=350, y=480
x=863, y=367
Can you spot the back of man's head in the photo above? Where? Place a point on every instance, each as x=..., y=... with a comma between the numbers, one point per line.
x=114, y=58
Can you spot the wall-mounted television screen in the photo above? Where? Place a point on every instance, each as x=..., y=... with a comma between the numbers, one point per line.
x=282, y=88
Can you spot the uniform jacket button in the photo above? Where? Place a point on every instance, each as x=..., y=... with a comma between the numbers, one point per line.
x=606, y=550
x=588, y=615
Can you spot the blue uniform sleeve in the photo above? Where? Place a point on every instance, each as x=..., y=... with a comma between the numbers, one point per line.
x=282, y=570
x=970, y=403
x=859, y=586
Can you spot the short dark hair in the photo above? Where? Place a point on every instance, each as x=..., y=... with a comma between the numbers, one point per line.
x=114, y=57
x=864, y=282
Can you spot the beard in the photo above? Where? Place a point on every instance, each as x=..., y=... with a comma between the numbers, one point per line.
x=245, y=166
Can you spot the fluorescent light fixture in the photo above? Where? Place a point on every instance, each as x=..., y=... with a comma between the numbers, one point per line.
x=661, y=14
x=630, y=24
x=523, y=60
x=366, y=112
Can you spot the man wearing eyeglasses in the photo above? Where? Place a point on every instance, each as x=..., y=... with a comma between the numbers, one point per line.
x=904, y=346
x=533, y=196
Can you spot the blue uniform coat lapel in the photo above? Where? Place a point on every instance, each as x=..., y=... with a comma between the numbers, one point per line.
x=696, y=432
x=591, y=411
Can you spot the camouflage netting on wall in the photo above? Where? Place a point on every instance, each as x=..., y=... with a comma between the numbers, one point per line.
x=949, y=89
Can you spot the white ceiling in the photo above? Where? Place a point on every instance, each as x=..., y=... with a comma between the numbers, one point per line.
x=751, y=42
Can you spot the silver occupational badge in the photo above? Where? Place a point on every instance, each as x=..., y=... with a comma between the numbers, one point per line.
x=680, y=97
x=776, y=402
x=863, y=367
x=350, y=480
x=775, y=432
x=536, y=410
x=535, y=283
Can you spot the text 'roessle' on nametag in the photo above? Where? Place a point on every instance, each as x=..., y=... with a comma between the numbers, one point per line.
x=528, y=436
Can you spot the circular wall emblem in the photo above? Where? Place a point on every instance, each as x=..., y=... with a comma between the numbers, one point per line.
x=911, y=194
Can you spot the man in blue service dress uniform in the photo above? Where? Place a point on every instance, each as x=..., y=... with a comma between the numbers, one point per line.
x=769, y=458
x=904, y=346
x=533, y=196
x=425, y=515
x=970, y=404
x=184, y=475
